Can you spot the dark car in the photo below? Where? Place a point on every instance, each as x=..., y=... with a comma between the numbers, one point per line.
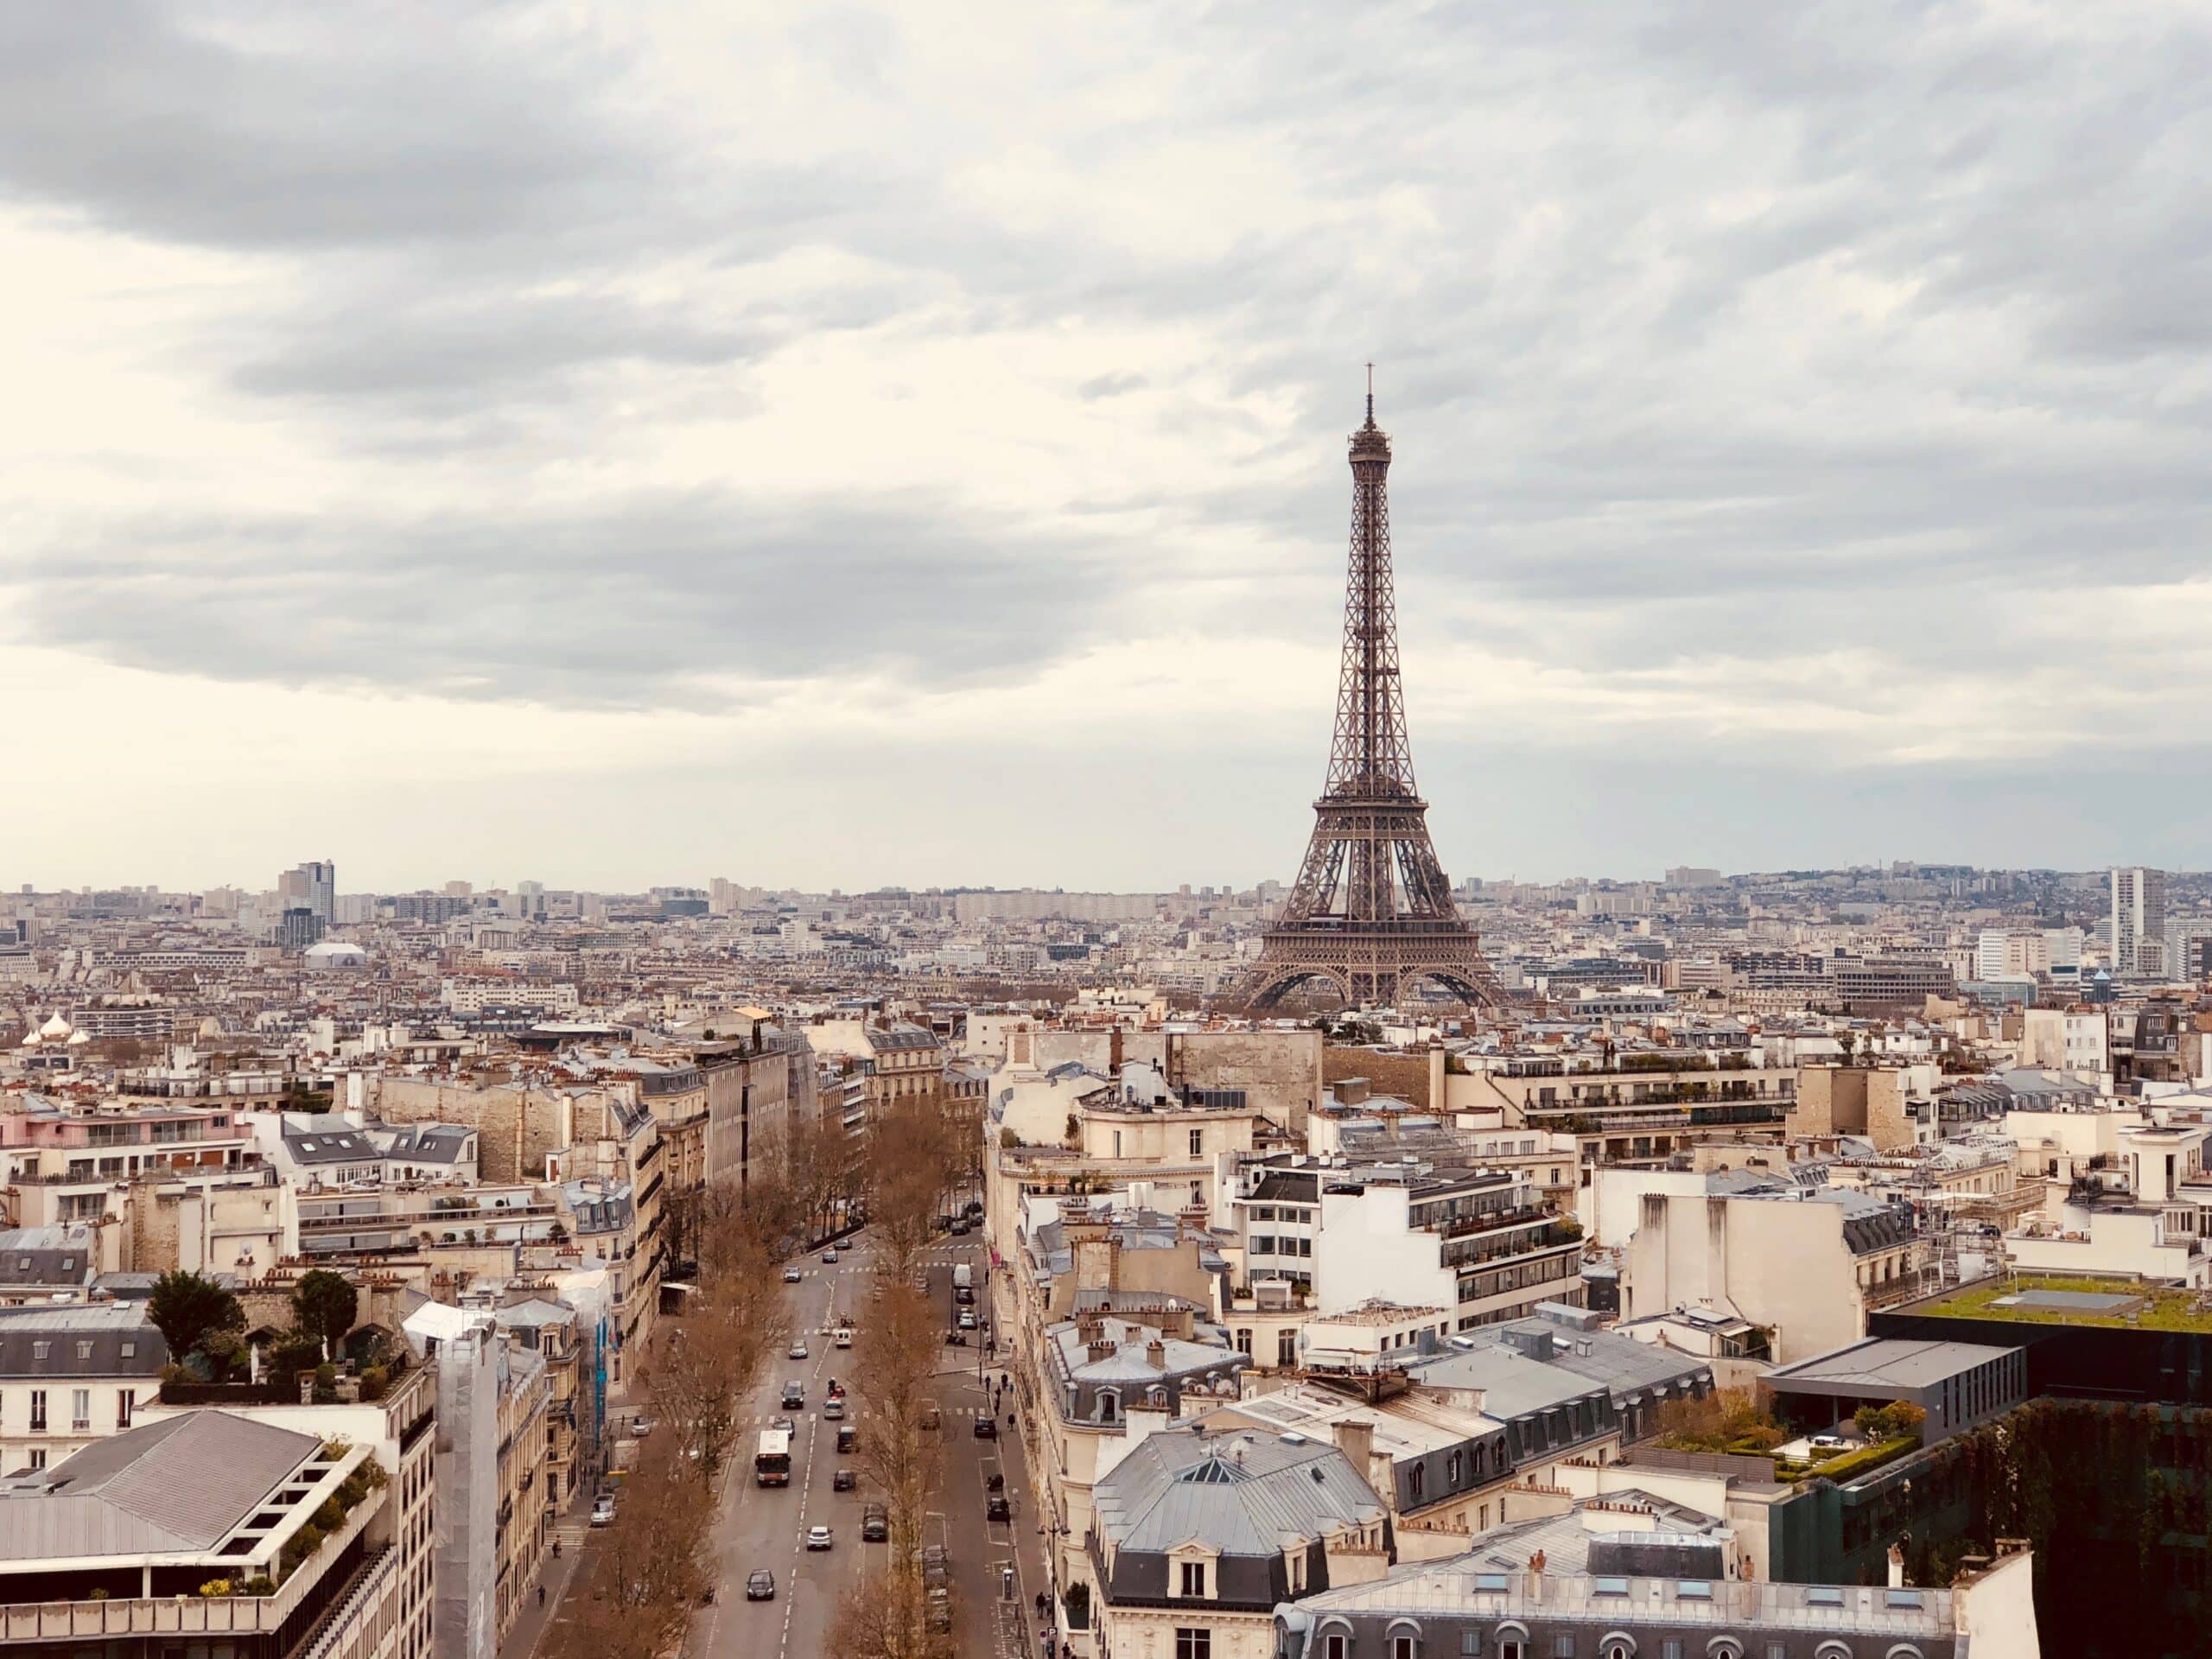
x=987, y=1428
x=875, y=1523
x=844, y=1481
x=998, y=1510
x=849, y=1438
x=761, y=1586
x=960, y=1227
x=794, y=1396
x=974, y=1207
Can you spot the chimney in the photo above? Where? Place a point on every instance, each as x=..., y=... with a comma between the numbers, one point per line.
x=1114, y=1052
x=1436, y=1076
x=1897, y=1566
x=1098, y=1350
x=1155, y=1354
x=1355, y=1438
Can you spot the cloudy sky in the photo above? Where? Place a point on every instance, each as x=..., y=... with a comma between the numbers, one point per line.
x=841, y=444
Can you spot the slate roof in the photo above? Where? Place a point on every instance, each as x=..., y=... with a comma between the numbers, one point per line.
x=44, y=1257
x=106, y=1329
x=1241, y=1494
x=430, y=1143
x=326, y=1138
x=176, y=1486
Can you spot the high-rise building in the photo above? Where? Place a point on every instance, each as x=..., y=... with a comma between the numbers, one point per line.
x=312, y=886
x=2138, y=921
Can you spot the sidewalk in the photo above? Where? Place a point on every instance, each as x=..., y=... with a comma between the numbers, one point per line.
x=531, y=1623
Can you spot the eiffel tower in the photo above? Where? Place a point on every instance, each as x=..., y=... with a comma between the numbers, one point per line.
x=1372, y=913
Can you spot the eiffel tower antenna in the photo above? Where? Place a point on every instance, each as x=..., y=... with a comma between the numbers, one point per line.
x=1371, y=913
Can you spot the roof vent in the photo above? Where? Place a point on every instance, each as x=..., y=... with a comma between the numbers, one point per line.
x=1292, y=1437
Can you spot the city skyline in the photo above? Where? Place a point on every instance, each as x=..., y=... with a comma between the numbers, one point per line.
x=829, y=414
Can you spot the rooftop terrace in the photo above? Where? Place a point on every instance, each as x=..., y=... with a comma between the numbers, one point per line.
x=2045, y=1299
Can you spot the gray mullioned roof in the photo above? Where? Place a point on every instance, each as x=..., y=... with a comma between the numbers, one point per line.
x=1241, y=1494
x=179, y=1485
x=1883, y=1363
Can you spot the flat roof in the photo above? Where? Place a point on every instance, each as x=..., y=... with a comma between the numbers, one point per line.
x=2142, y=1303
x=1883, y=1363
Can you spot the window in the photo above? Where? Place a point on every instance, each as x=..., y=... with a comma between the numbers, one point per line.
x=1193, y=1644
x=129, y=1349
x=1263, y=1243
x=1194, y=1577
x=1670, y=1648
x=1609, y=1586
x=1694, y=1589
x=1471, y=1641
x=1244, y=1340
x=38, y=1456
x=1197, y=1141
x=1562, y=1647
x=40, y=1350
x=123, y=1404
x=1405, y=1647
x=38, y=1411
x=1286, y=1346
x=1338, y=1646
x=80, y=1409
x=1491, y=1581
x=1416, y=1480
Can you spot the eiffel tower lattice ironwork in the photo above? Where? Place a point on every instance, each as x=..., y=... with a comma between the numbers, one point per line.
x=1372, y=913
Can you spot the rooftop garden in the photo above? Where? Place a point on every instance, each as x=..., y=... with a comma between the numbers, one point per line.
x=2151, y=1307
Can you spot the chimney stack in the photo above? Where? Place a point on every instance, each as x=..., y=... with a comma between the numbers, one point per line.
x=1897, y=1566
x=1155, y=1354
x=1355, y=1438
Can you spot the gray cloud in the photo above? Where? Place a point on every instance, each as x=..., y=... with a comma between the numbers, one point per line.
x=643, y=603
x=1857, y=317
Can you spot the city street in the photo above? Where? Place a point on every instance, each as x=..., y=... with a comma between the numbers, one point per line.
x=765, y=1527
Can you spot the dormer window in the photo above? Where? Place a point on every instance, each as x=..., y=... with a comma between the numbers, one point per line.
x=1194, y=1578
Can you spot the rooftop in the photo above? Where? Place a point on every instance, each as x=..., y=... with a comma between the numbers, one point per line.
x=2141, y=1304
x=1883, y=1363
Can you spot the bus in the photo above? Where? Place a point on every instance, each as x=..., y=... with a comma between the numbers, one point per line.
x=772, y=1464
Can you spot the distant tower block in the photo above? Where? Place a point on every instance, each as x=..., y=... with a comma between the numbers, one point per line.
x=1372, y=913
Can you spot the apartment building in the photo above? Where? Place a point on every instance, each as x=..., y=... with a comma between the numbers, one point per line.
x=73, y=1375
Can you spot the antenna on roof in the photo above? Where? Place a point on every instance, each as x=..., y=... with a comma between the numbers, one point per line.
x=1370, y=394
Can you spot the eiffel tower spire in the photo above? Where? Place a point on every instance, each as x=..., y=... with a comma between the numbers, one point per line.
x=1371, y=912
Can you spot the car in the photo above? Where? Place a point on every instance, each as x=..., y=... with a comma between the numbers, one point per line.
x=875, y=1523
x=974, y=1207
x=783, y=1423
x=967, y=1319
x=844, y=1481
x=761, y=1586
x=602, y=1509
x=799, y=1350
x=794, y=1396
x=834, y=1407
x=848, y=1441
x=987, y=1428
x=929, y=1417
x=998, y=1510
x=831, y=1257
x=960, y=1229
x=641, y=1426
x=1827, y=1443
x=817, y=1537
x=793, y=1275
x=843, y=1337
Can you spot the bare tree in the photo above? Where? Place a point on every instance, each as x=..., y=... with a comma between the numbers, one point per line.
x=649, y=1576
x=899, y=1455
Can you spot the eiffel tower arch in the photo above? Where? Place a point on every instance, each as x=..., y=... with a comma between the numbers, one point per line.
x=1371, y=914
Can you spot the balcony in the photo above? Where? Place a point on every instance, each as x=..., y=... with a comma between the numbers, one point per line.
x=1490, y=1221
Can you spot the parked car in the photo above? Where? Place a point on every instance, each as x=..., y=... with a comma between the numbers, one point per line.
x=817, y=1537
x=761, y=1586
x=602, y=1509
x=967, y=1319
x=875, y=1523
x=844, y=1481
x=998, y=1510
x=1828, y=1443
x=987, y=1428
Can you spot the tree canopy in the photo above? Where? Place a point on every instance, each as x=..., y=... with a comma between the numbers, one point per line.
x=187, y=1309
x=325, y=1305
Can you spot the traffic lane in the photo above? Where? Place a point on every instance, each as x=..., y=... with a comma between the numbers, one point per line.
x=981, y=1550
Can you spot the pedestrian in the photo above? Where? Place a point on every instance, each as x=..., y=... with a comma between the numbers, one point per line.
x=556, y=1549
x=541, y=1595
